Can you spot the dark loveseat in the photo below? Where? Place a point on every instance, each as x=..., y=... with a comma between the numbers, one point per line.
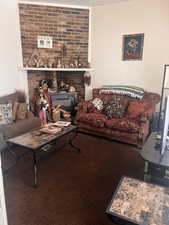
x=133, y=127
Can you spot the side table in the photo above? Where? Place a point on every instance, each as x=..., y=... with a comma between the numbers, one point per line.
x=156, y=165
x=136, y=202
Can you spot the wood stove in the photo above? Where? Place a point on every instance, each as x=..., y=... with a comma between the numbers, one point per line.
x=66, y=100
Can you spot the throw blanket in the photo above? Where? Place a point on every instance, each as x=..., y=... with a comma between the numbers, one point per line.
x=134, y=92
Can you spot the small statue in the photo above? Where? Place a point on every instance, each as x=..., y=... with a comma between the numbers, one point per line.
x=51, y=62
x=59, y=64
x=64, y=50
x=35, y=59
x=71, y=64
x=79, y=63
x=25, y=62
x=76, y=63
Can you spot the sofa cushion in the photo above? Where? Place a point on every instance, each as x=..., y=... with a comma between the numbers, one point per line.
x=136, y=108
x=94, y=119
x=6, y=113
x=115, y=108
x=123, y=124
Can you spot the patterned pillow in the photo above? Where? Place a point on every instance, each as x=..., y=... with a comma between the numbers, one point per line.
x=98, y=103
x=91, y=108
x=115, y=108
x=6, y=113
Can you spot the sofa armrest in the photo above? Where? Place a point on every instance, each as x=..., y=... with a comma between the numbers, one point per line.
x=83, y=107
x=147, y=114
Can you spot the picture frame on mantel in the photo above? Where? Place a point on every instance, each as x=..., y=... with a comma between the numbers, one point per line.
x=132, y=47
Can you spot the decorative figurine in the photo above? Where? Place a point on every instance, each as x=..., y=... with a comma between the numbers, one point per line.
x=64, y=50
x=42, y=105
x=35, y=59
x=59, y=64
x=51, y=62
x=76, y=63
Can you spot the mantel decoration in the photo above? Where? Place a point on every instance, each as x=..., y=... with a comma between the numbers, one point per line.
x=132, y=47
x=38, y=60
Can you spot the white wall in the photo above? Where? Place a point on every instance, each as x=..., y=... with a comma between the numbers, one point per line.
x=110, y=23
x=10, y=61
x=10, y=49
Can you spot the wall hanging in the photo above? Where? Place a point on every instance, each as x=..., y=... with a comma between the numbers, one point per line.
x=132, y=48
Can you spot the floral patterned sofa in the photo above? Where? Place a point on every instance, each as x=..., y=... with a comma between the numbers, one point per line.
x=130, y=122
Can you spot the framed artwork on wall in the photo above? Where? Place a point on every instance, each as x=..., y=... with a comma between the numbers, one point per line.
x=44, y=42
x=132, y=48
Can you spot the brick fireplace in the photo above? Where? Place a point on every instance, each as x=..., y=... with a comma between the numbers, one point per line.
x=73, y=78
x=68, y=27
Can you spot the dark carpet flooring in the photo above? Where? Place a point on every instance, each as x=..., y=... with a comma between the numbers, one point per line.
x=74, y=188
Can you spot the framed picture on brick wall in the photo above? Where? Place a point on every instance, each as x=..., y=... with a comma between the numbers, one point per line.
x=44, y=42
x=132, y=47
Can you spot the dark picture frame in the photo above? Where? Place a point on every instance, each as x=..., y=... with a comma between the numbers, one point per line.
x=132, y=47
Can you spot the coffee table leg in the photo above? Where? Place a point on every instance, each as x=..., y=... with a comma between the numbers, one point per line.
x=35, y=169
x=71, y=141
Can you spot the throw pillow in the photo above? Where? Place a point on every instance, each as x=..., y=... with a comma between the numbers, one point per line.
x=14, y=110
x=98, y=103
x=22, y=110
x=91, y=108
x=6, y=113
x=115, y=108
x=136, y=108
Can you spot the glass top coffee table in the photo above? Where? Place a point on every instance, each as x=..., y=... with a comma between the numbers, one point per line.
x=136, y=202
x=37, y=140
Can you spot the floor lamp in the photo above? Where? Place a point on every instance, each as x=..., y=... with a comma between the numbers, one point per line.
x=165, y=87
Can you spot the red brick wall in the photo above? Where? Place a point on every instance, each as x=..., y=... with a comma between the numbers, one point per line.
x=66, y=25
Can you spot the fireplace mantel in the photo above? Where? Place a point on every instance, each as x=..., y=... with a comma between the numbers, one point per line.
x=56, y=69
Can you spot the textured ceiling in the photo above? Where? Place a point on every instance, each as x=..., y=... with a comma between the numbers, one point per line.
x=77, y=2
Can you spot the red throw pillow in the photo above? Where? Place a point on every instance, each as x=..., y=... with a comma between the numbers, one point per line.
x=136, y=108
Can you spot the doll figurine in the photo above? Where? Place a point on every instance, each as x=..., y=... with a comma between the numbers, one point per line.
x=42, y=105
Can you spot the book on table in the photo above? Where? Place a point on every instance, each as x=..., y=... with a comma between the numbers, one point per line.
x=50, y=128
x=62, y=123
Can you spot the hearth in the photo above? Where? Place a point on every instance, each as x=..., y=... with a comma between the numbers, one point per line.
x=74, y=79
